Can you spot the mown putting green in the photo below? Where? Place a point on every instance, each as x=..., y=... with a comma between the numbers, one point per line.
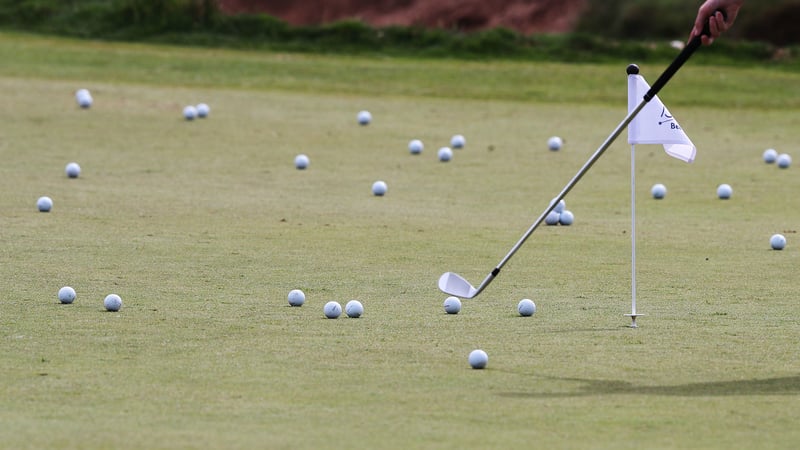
x=204, y=227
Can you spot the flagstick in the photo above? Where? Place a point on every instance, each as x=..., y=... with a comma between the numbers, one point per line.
x=633, y=315
x=674, y=140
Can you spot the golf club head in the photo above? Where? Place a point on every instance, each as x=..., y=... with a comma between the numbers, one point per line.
x=455, y=285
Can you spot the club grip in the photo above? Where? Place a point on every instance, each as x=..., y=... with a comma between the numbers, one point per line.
x=682, y=57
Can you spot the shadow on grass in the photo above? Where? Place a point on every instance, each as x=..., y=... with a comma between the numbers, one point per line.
x=759, y=386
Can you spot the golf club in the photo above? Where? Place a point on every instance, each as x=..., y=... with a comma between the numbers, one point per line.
x=453, y=284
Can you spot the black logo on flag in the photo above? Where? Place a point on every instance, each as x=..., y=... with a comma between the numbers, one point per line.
x=666, y=118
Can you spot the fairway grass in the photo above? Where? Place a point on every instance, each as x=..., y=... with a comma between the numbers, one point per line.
x=204, y=227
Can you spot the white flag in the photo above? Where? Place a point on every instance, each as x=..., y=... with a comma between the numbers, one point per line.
x=654, y=124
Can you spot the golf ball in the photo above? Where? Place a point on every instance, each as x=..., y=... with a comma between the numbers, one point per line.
x=66, y=295
x=560, y=206
x=301, y=162
x=659, y=191
x=45, y=204
x=526, y=307
x=202, y=110
x=415, y=147
x=379, y=188
x=777, y=242
x=458, y=141
x=354, y=309
x=84, y=98
x=784, y=160
x=190, y=112
x=478, y=359
x=555, y=143
x=332, y=310
x=296, y=297
x=452, y=305
x=552, y=218
x=73, y=170
x=724, y=191
x=445, y=154
x=112, y=302
x=364, y=118
x=770, y=155
x=566, y=218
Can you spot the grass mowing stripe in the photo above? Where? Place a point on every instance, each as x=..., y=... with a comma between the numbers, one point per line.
x=91, y=61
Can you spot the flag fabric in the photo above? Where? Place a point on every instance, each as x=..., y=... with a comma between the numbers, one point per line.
x=654, y=124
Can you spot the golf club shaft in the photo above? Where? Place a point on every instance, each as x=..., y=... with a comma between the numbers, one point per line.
x=593, y=159
x=684, y=55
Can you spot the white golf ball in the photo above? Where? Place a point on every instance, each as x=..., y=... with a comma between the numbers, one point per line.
x=190, y=112
x=66, y=295
x=777, y=242
x=770, y=155
x=659, y=191
x=364, y=118
x=445, y=154
x=724, y=191
x=112, y=302
x=552, y=218
x=526, y=307
x=301, y=162
x=784, y=160
x=560, y=206
x=555, y=143
x=478, y=359
x=452, y=305
x=566, y=218
x=45, y=204
x=73, y=170
x=296, y=297
x=354, y=309
x=202, y=110
x=458, y=141
x=84, y=98
x=379, y=188
x=332, y=310
x=415, y=147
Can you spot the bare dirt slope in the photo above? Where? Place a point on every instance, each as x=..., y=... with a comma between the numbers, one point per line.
x=525, y=16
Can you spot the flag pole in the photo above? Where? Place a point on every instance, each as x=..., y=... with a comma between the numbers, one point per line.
x=633, y=70
x=633, y=315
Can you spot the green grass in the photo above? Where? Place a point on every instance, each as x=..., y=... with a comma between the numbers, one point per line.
x=203, y=228
x=95, y=61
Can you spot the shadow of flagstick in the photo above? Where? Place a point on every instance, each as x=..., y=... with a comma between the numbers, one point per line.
x=758, y=386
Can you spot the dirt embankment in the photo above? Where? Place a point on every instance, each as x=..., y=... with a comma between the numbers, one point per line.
x=524, y=16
